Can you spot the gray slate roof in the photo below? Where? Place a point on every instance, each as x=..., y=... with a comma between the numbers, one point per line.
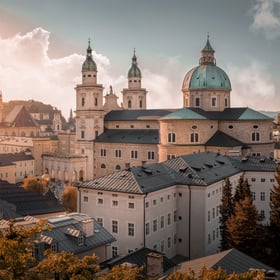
x=222, y=139
x=200, y=169
x=9, y=159
x=27, y=202
x=233, y=261
x=60, y=228
x=139, y=136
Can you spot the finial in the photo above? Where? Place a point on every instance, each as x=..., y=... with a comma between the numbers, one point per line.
x=134, y=51
x=111, y=89
x=207, y=36
x=89, y=42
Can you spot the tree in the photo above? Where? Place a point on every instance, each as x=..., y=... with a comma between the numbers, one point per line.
x=35, y=185
x=275, y=201
x=242, y=189
x=123, y=272
x=242, y=225
x=69, y=198
x=226, y=210
x=16, y=247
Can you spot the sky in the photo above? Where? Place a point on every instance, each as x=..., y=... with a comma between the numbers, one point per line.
x=43, y=45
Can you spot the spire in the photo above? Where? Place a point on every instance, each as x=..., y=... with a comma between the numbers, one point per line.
x=134, y=58
x=89, y=50
x=207, y=54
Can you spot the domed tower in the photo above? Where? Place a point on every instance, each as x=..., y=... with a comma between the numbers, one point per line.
x=134, y=97
x=207, y=86
x=89, y=102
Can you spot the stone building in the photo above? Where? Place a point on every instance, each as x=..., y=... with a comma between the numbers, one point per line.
x=112, y=137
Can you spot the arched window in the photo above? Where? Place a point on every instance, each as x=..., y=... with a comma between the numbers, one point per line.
x=95, y=101
x=22, y=134
x=118, y=167
x=81, y=175
x=140, y=103
x=255, y=136
x=197, y=102
x=103, y=166
x=129, y=104
x=83, y=101
x=194, y=137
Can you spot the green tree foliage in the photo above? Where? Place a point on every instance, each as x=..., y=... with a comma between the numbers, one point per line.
x=226, y=210
x=69, y=198
x=275, y=201
x=35, y=185
x=242, y=189
x=242, y=225
x=219, y=274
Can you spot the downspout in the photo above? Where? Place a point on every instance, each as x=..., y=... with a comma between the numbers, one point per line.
x=79, y=199
x=190, y=207
x=144, y=217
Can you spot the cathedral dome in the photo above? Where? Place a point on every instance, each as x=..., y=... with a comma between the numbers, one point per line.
x=134, y=70
x=89, y=64
x=207, y=74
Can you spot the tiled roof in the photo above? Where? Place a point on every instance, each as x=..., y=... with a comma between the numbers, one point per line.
x=200, y=169
x=137, y=136
x=19, y=117
x=222, y=139
x=138, y=258
x=233, y=261
x=128, y=115
x=27, y=202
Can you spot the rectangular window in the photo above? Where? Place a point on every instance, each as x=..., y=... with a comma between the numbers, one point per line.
x=147, y=228
x=100, y=221
x=100, y=201
x=209, y=216
x=170, y=157
x=214, y=101
x=253, y=179
x=253, y=195
x=169, y=218
x=130, y=229
x=171, y=138
x=115, y=226
x=175, y=216
x=209, y=238
x=134, y=154
x=82, y=134
x=161, y=222
x=169, y=242
x=154, y=202
x=147, y=204
x=262, y=180
x=85, y=198
x=162, y=245
x=197, y=102
x=114, y=251
x=194, y=137
x=214, y=234
x=151, y=155
x=115, y=203
x=213, y=213
x=131, y=205
x=217, y=211
x=262, y=196
x=262, y=215
x=103, y=152
x=255, y=136
x=118, y=153
x=155, y=225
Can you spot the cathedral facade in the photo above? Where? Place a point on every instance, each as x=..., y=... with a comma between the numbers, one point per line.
x=110, y=137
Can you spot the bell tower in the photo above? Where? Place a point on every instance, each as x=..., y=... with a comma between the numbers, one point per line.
x=134, y=97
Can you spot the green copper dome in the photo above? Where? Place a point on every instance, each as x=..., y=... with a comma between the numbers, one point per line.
x=207, y=76
x=89, y=64
x=134, y=70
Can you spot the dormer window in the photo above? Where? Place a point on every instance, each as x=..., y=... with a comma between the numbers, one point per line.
x=81, y=240
x=54, y=247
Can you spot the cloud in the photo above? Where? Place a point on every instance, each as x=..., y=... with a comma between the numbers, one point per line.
x=28, y=72
x=267, y=18
x=252, y=87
